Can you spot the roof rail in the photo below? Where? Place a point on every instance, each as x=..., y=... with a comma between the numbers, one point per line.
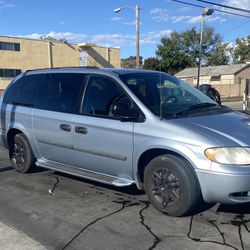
x=68, y=67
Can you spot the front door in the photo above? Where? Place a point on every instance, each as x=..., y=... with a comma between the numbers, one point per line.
x=102, y=143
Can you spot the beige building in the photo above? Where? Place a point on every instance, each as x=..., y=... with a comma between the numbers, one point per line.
x=20, y=54
x=229, y=80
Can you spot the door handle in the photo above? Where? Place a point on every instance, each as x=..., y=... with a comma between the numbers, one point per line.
x=81, y=130
x=65, y=127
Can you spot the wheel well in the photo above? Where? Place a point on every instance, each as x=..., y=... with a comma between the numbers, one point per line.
x=11, y=133
x=149, y=155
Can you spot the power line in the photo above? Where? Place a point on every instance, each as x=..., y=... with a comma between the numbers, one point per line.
x=192, y=4
x=224, y=6
x=218, y=10
x=235, y=27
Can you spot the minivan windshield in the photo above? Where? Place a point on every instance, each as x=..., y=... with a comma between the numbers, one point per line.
x=168, y=97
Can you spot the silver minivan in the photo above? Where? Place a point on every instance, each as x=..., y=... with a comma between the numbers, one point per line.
x=124, y=127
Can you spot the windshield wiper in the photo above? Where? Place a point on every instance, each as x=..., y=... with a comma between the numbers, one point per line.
x=196, y=107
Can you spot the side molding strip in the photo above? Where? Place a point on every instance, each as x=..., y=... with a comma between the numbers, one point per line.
x=88, y=151
x=102, y=154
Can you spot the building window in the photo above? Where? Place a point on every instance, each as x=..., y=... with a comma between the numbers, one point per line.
x=9, y=73
x=9, y=46
x=215, y=78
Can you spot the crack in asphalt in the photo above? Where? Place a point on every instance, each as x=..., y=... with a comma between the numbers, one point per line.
x=157, y=240
x=209, y=241
x=239, y=223
x=51, y=190
x=240, y=236
x=124, y=204
x=243, y=222
x=218, y=229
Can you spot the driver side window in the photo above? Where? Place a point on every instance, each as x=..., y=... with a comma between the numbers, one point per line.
x=101, y=94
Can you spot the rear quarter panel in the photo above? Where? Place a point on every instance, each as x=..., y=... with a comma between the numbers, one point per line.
x=17, y=117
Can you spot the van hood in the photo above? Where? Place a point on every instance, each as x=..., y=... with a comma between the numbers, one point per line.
x=228, y=129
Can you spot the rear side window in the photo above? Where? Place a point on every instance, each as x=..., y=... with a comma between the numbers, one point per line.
x=23, y=91
x=60, y=92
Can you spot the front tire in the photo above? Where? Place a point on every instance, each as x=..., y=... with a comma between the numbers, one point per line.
x=21, y=155
x=171, y=185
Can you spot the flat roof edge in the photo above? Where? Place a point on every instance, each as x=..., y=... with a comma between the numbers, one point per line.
x=75, y=44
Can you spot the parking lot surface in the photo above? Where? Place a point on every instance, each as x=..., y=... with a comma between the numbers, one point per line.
x=13, y=239
x=237, y=105
x=64, y=212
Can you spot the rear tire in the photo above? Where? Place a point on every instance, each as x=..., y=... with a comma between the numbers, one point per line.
x=21, y=155
x=171, y=185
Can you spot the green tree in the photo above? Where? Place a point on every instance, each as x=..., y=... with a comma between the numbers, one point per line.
x=242, y=50
x=152, y=63
x=130, y=62
x=221, y=55
x=181, y=49
x=53, y=39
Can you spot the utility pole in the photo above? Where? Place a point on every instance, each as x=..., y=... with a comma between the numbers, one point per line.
x=205, y=12
x=137, y=17
x=137, y=28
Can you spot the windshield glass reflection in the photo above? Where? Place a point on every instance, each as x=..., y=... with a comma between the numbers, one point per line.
x=168, y=97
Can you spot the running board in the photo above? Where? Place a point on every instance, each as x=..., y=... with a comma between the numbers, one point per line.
x=87, y=174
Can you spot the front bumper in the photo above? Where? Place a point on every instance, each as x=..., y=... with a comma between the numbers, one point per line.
x=227, y=188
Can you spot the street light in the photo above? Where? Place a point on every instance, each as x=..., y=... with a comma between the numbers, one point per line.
x=137, y=17
x=205, y=12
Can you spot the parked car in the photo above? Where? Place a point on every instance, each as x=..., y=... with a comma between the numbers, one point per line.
x=210, y=91
x=122, y=127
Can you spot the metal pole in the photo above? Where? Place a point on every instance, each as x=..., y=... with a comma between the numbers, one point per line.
x=137, y=9
x=200, y=51
x=50, y=54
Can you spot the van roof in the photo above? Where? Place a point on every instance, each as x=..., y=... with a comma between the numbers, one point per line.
x=88, y=69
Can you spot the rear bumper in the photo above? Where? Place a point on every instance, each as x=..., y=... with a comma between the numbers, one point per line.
x=224, y=187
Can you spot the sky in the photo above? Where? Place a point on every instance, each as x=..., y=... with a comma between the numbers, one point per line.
x=94, y=21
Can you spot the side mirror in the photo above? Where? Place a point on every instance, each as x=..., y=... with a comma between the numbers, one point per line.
x=125, y=112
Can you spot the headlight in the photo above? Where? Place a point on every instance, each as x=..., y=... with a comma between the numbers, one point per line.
x=230, y=155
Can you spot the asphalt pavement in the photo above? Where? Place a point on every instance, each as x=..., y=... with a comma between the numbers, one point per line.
x=57, y=211
x=13, y=239
x=238, y=105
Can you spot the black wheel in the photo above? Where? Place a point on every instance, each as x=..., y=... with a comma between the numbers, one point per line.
x=171, y=185
x=21, y=155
